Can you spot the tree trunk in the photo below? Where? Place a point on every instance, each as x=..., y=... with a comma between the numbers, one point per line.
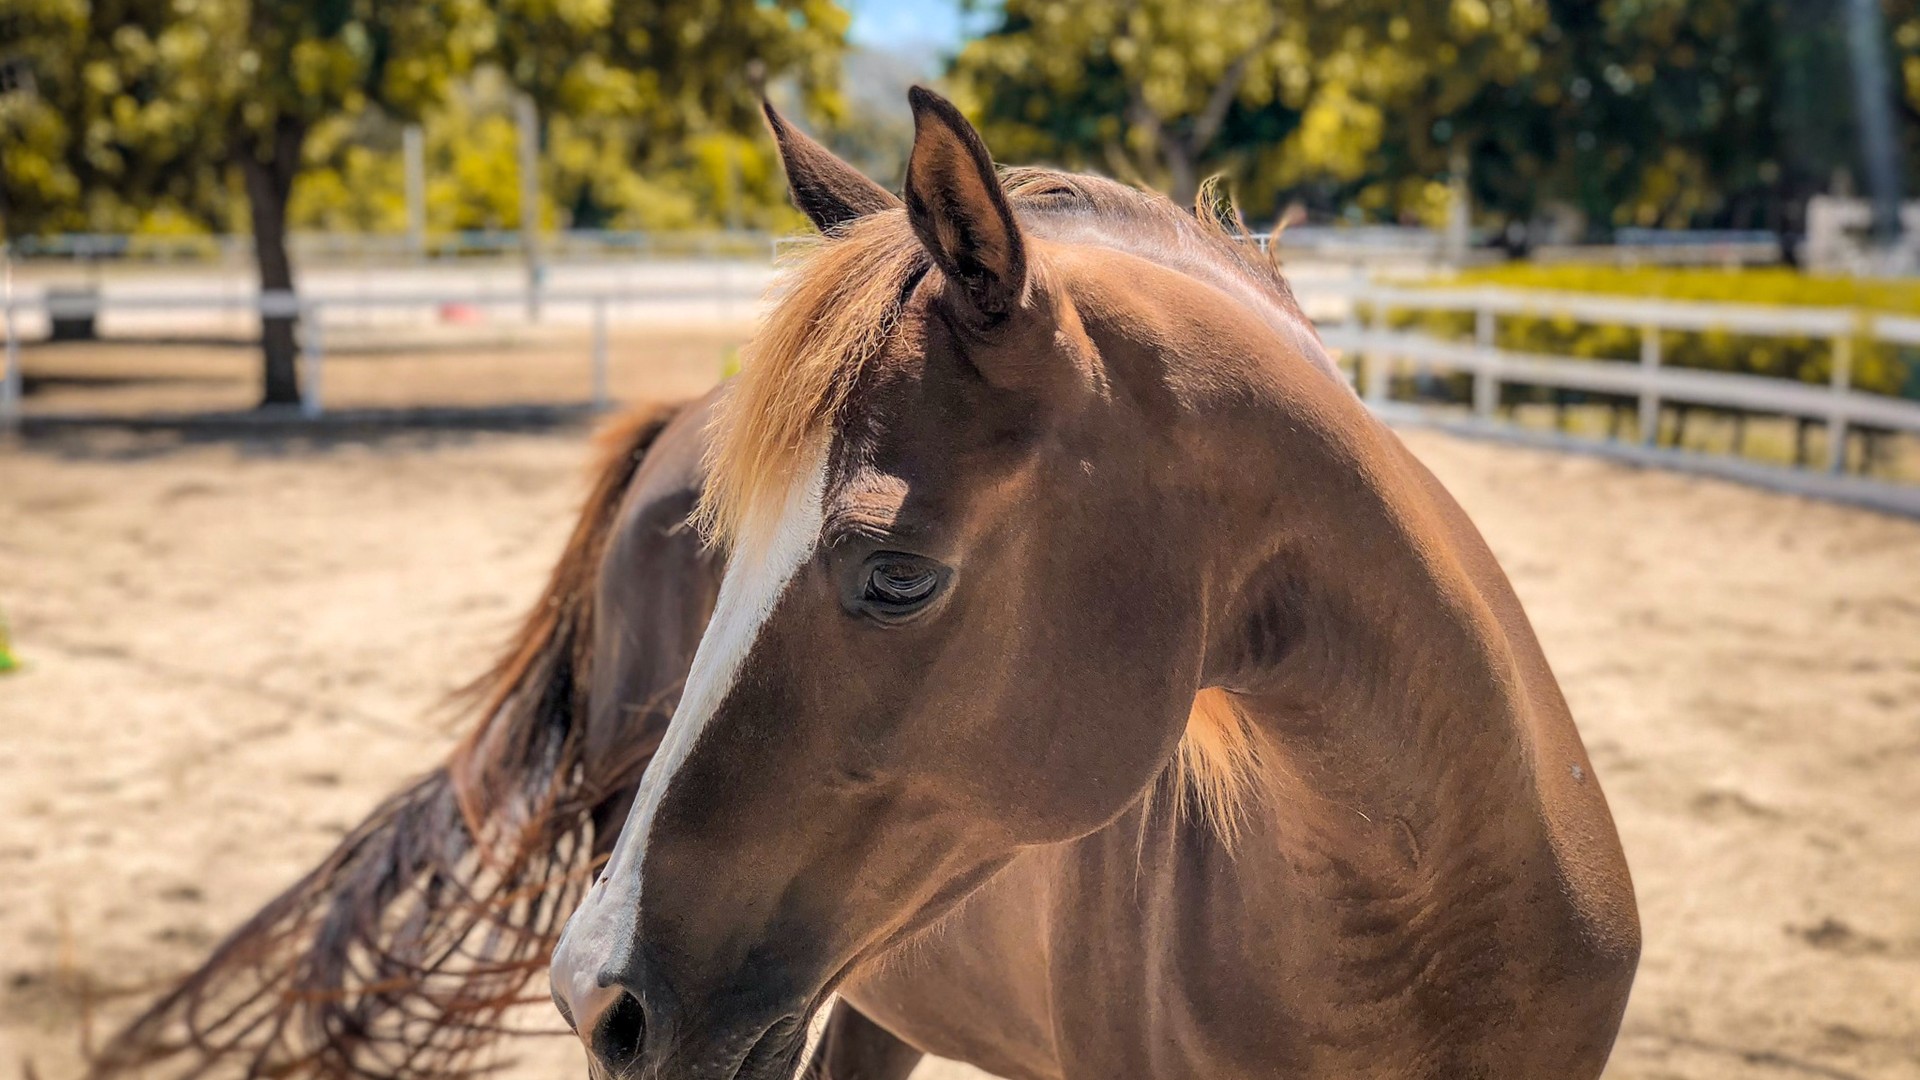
x=269, y=164
x=1182, y=183
x=1879, y=130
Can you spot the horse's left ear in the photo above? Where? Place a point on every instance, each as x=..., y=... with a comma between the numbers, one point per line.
x=826, y=189
x=959, y=209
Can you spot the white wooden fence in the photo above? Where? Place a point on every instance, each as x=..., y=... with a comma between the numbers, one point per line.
x=1648, y=380
x=1838, y=404
x=727, y=294
x=1377, y=348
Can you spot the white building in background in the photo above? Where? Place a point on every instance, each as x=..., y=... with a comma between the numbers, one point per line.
x=1837, y=238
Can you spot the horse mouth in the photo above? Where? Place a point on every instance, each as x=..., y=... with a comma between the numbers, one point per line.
x=777, y=1054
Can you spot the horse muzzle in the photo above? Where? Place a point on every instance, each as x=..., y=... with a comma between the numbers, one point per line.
x=631, y=1033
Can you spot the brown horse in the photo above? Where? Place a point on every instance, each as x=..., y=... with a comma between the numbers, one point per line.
x=1080, y=683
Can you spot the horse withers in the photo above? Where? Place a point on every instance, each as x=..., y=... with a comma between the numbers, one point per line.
x=1094, y=687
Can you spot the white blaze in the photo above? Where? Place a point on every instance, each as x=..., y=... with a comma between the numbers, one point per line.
x=764, y=560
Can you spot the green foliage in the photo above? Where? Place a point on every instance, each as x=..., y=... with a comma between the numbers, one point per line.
x=38, y=181
x=1903, y=27
x=115, y=130
x=141, y=105
x=306, y=61
x=1635, y=112
x=649, y=110
x=1877, y=367
x=596, y=172
x=8, y=662
x=1273, y=93
x=655, y=107
x=683, y=66
x=1625, y=112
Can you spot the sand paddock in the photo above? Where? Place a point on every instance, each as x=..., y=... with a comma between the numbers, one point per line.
x=234, y=646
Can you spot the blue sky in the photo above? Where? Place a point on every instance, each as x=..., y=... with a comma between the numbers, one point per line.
x=883, y=23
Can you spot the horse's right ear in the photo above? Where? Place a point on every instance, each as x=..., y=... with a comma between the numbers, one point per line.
x=959, y=209
x=826, y=189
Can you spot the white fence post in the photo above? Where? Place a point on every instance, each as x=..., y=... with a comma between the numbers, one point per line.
x=12, y=385
x=600, y=395
x=413, y=154
x=1356, y=333
x=313, y=355
x=527, y=122
x=1373, y=361
x=1486, y=388
x=1649, y=397
x=1837, y=420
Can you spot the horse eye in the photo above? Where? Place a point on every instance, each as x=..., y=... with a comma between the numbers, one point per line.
x=897, y=585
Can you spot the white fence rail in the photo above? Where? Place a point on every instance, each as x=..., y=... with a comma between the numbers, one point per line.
x=310, y=312
x=1378, y=351
x=393, y=249
x=1838, y=403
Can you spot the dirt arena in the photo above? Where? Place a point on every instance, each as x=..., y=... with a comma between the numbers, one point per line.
x=234, y=645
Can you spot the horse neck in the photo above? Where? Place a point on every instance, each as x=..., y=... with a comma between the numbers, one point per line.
x=1376, y=650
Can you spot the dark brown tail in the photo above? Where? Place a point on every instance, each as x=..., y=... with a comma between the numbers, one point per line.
x=400, y=956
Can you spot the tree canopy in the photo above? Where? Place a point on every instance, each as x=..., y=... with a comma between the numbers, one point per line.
x=1611, y=112
x=1624, y=112
x=148, y=112
x=1277, y=93
x=648, y=109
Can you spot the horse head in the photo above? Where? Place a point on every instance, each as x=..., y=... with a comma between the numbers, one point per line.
x=965, y=610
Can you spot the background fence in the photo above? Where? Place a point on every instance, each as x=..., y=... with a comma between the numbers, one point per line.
x=1394, y=363
x=1842, y=409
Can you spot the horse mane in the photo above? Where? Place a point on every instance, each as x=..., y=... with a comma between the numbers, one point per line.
x=837, y=308
x=401, y=955
x=839, y=302
x=1216, y=769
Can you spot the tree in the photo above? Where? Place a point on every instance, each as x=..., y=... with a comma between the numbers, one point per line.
x=1630, y=112
x=155, y=107
x=1903, y=23
x=1166, y=91
x=295, y=63
x=40, y=42
x=146, y=104
x=102, y=143
x=669, y=84
x=1142, y=90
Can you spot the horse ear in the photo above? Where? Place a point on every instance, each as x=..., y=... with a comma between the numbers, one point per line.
x=826, y=189
x=959, y=209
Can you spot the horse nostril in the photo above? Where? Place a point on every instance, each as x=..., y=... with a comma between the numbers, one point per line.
x=621, y=1034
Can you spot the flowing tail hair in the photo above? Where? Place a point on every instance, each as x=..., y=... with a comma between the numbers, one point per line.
x=400, y=956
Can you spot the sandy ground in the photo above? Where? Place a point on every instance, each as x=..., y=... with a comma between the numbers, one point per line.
x=234, y=646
